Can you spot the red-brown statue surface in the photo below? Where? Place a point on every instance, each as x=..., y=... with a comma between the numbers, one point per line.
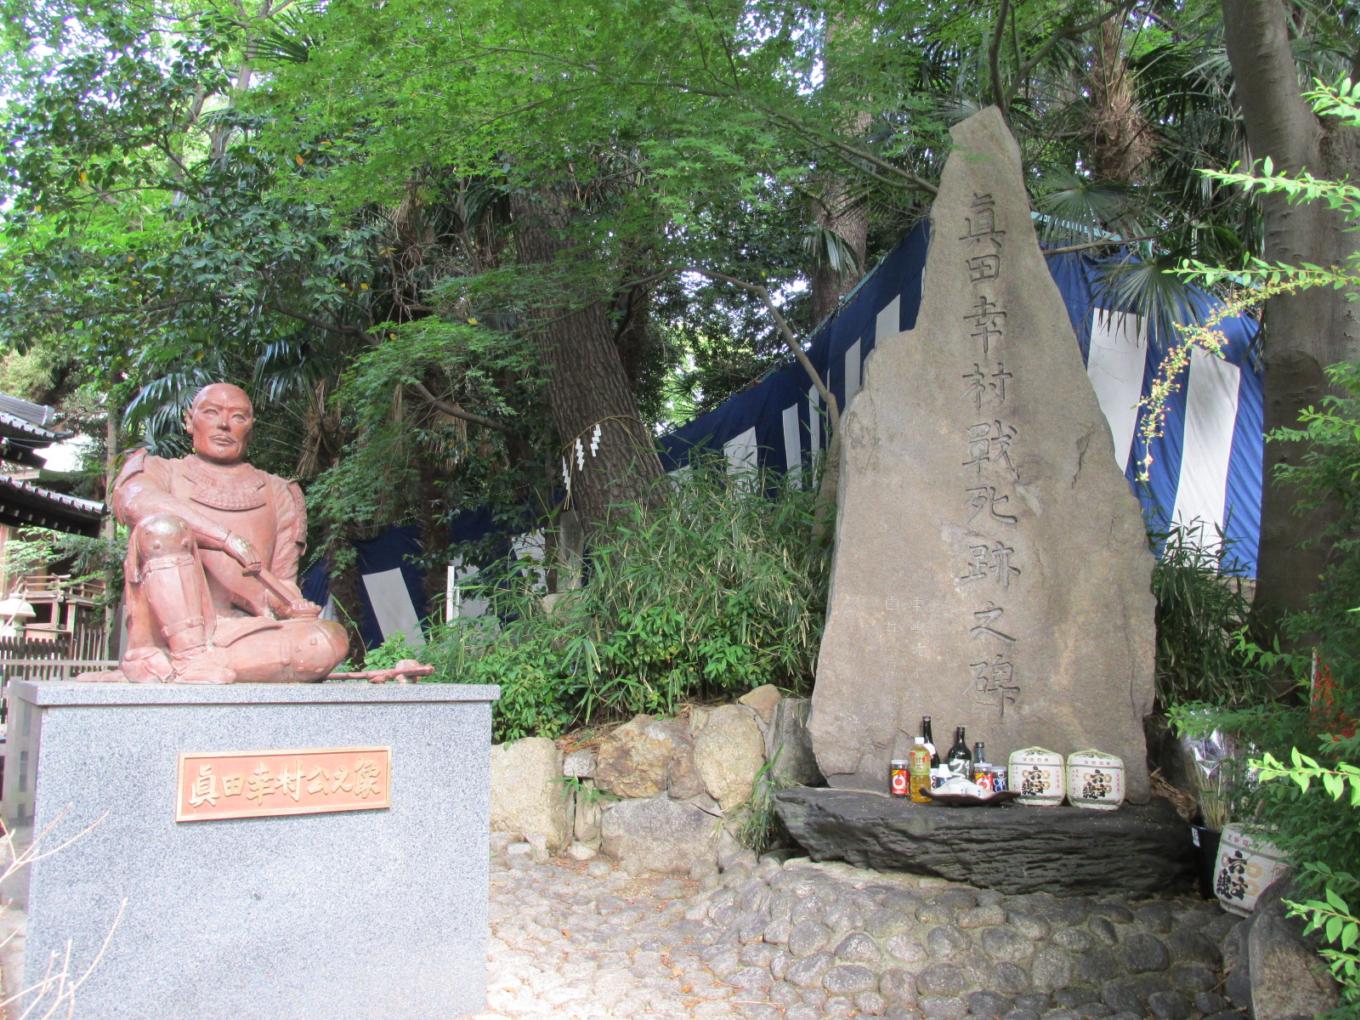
x=211, y=572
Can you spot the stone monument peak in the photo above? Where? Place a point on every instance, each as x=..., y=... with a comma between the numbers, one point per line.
x=991, y=566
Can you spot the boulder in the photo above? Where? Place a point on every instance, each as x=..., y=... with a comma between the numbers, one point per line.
x=586, y=818
x=762, y=701
x=1286, y=976
x=991, y=565
x=1138, y=850
x=728, y=752
x=660, y=834
x=580, y=764
x=634, y=760
x=683, y=781
x=528, y=797
x=788, y=745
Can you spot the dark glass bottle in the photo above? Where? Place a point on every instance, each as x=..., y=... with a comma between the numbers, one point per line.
x=929, y=738
x=960, y=762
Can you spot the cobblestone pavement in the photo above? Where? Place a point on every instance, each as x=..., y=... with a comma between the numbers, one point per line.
x=576, y=940
x=804, y=941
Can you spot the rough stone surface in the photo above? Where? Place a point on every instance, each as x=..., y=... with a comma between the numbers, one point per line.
x=728, y=752
x=580, y=764
x=789, y=745
x=1287, y=977
x=762, y=701
x=1139, y=849
x=683, y=781
x=528, y=797
x=1019, y=522
x=586, y=807
x=599, y=939
x=658, y=834
x=209, y=907
x=633, y=760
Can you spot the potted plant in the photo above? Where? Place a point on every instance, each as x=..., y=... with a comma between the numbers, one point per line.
x=1215, y=775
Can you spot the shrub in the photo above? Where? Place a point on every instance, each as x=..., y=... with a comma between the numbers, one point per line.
x=713, y=587
x=1201, y=614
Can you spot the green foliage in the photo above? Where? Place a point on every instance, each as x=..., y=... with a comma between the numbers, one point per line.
x=1328, y=913
x=538, y=697
x=40, y=551
x=586, y=792
x=1317, y=738
x=713, y=589
x=1325, y=471
x=412, y=460
x=1201, y=613
x=394, y=649
x=758, y=825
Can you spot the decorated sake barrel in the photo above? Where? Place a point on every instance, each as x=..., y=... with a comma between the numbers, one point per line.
x=1095, y=780
x=1246, y=866
x=1037, y=774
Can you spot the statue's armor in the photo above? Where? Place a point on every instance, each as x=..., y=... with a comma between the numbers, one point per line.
x=183, y=594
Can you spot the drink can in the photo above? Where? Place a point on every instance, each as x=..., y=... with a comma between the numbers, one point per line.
x=982, y=776
x=899, y=777
x=999, y=779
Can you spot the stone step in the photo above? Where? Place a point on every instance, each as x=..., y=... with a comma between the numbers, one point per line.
x=1015, y=848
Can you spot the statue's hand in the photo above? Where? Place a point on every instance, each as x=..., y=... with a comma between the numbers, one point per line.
x=298, y=609
x=240, y=549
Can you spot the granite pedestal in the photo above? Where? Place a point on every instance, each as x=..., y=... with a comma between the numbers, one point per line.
x=375, y=913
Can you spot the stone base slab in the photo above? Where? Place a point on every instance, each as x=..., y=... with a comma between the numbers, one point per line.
x=1136, y=850
x=377, y=913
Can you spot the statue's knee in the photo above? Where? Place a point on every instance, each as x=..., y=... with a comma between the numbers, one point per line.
x=163, y=535
x=318, y=646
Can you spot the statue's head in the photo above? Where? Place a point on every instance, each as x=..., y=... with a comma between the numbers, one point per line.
x=220, y=419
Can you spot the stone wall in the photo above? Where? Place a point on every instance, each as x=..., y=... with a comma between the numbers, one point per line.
x=655, y=794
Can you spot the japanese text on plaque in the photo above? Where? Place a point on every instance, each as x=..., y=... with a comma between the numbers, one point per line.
x=260, y=784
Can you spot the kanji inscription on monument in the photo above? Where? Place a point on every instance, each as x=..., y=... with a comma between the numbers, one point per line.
x=1024, y=554
x=262, y=784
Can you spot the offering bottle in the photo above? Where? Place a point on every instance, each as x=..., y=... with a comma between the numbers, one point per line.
x=929, y=738
x=960, y=762
x=919, y=771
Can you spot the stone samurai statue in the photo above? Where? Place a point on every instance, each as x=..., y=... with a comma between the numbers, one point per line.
x=211, y=571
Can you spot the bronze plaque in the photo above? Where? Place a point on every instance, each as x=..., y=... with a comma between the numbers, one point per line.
x=262, y=784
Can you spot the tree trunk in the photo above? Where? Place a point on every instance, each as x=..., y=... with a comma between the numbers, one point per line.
x=840, y=213
x=836, y=208
x=587, y=385
x=1123, y=141
x=1307, y=331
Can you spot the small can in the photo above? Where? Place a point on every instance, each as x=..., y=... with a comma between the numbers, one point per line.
x=899, y=777
x=982, y=776
x=999, y=779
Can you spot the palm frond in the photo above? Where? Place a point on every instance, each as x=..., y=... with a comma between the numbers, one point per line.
x=1151, y=289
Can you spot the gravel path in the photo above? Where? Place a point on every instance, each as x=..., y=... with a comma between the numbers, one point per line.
x=804, y=941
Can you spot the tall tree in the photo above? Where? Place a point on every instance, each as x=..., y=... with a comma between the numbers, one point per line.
x=1304, y=332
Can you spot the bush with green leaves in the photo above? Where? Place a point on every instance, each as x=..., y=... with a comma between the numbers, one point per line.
x=711, y=588
x=1317, y=735
x=1202, y=611
x=1332, y=906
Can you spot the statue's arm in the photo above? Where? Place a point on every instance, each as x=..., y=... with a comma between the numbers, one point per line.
x=292, y=532
x=290, y=529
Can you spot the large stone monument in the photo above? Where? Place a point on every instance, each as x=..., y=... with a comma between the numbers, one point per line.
x=991, y=568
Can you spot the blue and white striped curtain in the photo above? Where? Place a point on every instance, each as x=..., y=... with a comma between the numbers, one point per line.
x=1205, y=472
